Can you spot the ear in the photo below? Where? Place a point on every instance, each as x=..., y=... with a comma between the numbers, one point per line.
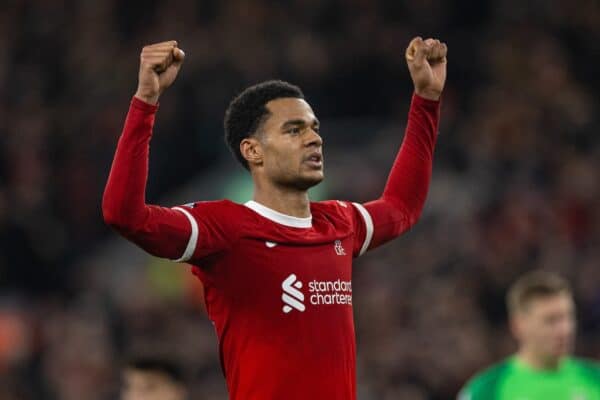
x=251, y=150
x=516, y=325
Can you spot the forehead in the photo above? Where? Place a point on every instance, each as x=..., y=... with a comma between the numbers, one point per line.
x=549, y=304
x=289, y=108
x=155, y=377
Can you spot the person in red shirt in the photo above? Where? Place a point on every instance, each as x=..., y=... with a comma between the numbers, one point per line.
x=277, y=270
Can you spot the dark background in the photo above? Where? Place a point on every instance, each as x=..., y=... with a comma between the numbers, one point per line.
x=515, y=186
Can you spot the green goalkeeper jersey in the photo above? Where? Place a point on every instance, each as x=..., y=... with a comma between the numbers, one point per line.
x=574, y=379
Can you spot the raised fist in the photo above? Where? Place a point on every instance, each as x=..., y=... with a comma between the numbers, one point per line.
x=159, y=65
x=426, y=61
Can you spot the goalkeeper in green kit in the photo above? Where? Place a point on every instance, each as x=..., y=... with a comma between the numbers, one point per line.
x=542, y=319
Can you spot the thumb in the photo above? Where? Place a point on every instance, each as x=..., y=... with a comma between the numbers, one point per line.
x=167, y=77
x=416, y=53
x=178, y=56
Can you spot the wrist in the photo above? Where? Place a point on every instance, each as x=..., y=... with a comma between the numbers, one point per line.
x=150, y=99
x=428, y=94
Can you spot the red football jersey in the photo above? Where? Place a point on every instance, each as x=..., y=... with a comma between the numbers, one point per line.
x=277, y=288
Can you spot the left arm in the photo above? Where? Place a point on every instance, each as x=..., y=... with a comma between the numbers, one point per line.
x=406, y=189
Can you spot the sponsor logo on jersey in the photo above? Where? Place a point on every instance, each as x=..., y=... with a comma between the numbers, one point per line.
x=320, y=293
x=292, y=297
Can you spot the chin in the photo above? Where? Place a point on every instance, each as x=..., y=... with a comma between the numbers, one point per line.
x=566, y=350
x=562, y=351
x=306, y=182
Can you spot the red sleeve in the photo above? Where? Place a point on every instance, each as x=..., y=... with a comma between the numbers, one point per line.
x=403, y=198
x=164, y=232
x=216, y=227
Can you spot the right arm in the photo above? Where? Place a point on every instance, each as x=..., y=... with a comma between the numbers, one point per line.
x=161, y=231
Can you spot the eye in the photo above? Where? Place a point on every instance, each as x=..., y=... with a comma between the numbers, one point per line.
x=295, y=130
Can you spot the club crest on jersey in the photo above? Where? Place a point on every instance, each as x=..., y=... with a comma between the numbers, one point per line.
x=339, y=249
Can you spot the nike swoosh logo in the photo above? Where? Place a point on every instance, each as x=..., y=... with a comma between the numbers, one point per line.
x=270, y=244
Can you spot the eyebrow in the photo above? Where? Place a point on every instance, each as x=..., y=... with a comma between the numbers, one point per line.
x=293, y=122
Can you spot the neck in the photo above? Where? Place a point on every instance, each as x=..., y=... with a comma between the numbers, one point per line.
x=287, y=200
x=536, y=361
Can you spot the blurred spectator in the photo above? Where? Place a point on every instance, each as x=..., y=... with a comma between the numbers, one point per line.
x=152, y=379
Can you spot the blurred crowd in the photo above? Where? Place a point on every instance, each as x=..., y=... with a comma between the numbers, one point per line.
x=516, y=183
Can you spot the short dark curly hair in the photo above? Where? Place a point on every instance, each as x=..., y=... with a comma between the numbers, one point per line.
x=248, y=110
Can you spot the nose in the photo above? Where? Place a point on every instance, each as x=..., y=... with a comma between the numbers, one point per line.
x=566, y=327
x=313, y=139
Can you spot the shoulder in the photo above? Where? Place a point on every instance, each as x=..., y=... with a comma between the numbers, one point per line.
x=484, y=383
x=587, y=367
x=343, y=208
x=331, y=206
x=215, y=211
x=343, y=211
x=212, y=206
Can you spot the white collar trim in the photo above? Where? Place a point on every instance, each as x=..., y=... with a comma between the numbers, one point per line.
x=283, y=219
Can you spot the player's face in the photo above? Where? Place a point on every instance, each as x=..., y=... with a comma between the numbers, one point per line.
x=547, y=326
x=292, y=149
x=146, y=385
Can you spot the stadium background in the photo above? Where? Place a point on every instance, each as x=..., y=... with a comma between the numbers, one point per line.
x=515, y=186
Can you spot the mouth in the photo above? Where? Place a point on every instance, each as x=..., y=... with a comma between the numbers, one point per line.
x=315, y=160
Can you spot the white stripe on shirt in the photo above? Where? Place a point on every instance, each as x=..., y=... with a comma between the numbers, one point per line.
x=368, y=227
x=191, y=246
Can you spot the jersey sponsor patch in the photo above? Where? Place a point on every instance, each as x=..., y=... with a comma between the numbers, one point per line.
x=292, y=297
x=320, y=293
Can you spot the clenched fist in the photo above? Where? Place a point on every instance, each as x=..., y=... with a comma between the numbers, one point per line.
x=426, y=61
x=159, y=65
